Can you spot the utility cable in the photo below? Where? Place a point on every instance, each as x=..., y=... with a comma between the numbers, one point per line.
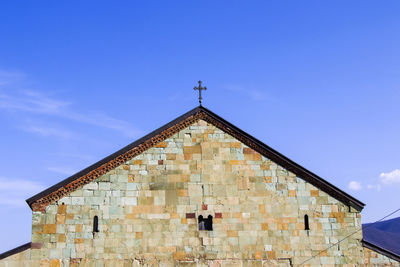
x=349, y=236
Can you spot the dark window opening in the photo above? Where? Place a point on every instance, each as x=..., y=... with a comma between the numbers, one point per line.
x=205, y=224
x=95, y=224
x=306, y=224
x=201, y=222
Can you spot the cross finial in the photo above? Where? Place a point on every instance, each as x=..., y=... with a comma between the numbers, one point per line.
x=200, y=88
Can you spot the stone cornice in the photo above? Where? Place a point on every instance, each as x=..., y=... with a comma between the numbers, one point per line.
x=40, y=201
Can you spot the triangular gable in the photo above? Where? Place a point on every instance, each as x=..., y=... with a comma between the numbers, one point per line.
x=40, y=201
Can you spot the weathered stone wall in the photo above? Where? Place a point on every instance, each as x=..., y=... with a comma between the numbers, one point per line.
x=148, y=209
x=21, y=259
x=372, y=258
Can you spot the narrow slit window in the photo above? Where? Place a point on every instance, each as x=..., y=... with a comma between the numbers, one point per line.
x=95, y=224
x=208, y=224
x=201, y=223
x=306, y=223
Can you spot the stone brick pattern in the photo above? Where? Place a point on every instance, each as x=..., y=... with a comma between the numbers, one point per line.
x=22, y=259
x=146, y=205
x=373, y=259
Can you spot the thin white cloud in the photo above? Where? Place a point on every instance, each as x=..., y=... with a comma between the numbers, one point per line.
x=385, y=179
x=257, y=95
x=105, y=121
x=34, y=102
x=12, y=201
x=9, y=77
x=13, y=192
x=74, y=156
x=47, y=131
x=29, y=101
x=392, y=177
x=18, y=185
x=376, y=187
x=62, y=170
x=253, y=94
x=355, y=186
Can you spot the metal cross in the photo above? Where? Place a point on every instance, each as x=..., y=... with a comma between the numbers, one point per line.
x=200, y=88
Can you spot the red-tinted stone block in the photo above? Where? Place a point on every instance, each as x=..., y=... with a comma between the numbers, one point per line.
x=190, y=215
x=36, y=245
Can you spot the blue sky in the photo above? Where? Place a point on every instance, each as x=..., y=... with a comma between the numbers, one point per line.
x=318, y=81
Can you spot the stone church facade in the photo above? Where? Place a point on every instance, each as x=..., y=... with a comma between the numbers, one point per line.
x=150, y=203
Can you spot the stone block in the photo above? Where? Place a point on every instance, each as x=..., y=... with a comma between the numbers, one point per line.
x=49, y=228
x=258, y=210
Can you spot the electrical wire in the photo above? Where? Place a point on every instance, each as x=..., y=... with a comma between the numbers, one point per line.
x=349, y=236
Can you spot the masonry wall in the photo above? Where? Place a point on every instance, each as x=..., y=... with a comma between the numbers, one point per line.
x=372, y=258
x=148, y=209
x=21, y=259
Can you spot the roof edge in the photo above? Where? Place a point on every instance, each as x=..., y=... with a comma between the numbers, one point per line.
x=15, y=250
x=94, y=166
x=293, y=166
x=381, y=250
x=230, y=129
